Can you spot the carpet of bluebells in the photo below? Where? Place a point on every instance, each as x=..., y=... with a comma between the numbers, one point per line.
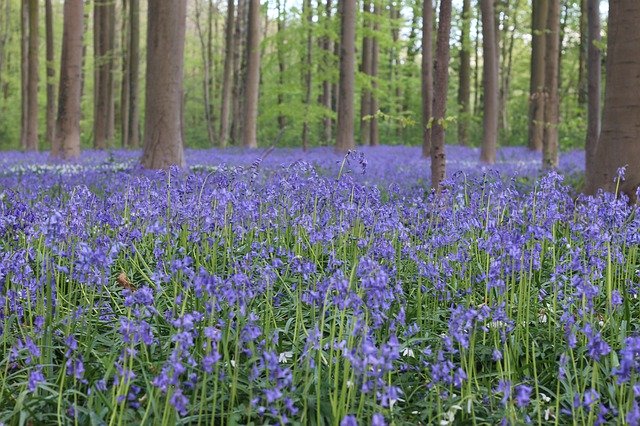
x=311, y=288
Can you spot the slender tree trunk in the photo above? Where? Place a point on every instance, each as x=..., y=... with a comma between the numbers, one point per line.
x=83, y=77
x=51, y=73
x=551, y=108
x=252, y=78
x=584, y=53
x=427, y=76
x=365, y=69
x=134, y=74
x=31, y=91
x=239, y=71
x=24, y=73
x=374, y=138
x=537, y=82
x=476, y=72
x=394, y=64
x=464, y=86
x=104, y=38
x=5, y=23
x=282, y=120
x=307, y=14
x=440, y=86
x=327, y=89
x=511, y=26
x=345, y=137
x=163, y=142
x=206, y=56
x=619, y=142
x=124, y=88
x=67, y=133
x=594, y=76
x=490, y=79
x=226, y=74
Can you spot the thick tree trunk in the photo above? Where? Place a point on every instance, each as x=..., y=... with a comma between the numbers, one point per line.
x=490, y=79
x=252, y=78
x=67, y=134
x=440, y=86
x=365, y=68
x=464, y=86
x=30, y=130
x=619, y=142
x=594, y=75
x=552, y=103
x=345, y=137
x=374, y=138
x=537, y=83
x=104, y=40
x=427, y=76
x=226, y=74
x=163, y=143
x=307, y=14
x=51, y=73
x=134, y=74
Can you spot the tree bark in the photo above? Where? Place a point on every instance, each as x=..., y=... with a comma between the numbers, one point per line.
x=594, y=72
x=374, y=138
x=163, y=142
x=619, y=142
x=464, y=86
x=583, y=78
x=537, y=83
x=427, y=76
x=103, y=41
x=551, y=107
x=239, y=71
x=365, y=69
x=477, y=100
x=134, y=74
x=252, y=78
x=440, y=86
x=207, y=58
x=124, y=88
x=490, y=79
x=67, y=133
x=30, y=122
x=226, y=74
x=327, y=89
x=24, y=73
x=307, y=14
x=51, y=73
x=345, y=137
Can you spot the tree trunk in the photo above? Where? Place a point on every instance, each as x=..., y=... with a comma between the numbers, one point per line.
x=365, y=68
x=67, y=133
x=24, y=73
x=594, y=75
x=490, y=79
x=551, y=107
x=103, y=41
x=134, y=74
x=584, y=53
x=83, y=77
x=51, y=73
x=464, y=86
x=163, y=143
x=124, y=88
x=374, y=139
x=537, y=83
x=511, y=26
x=307, y=14
x=440, y=86
x=5, y=23
x=476, y=72
x=327, y=89
x=226, y=74
x=239, y=71
x=619, y=142
x=345, y=137
x=30, y=122
x=427, y=76
x=252, y=78
x=206, y=56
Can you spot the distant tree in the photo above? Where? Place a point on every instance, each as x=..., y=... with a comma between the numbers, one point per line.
x=440, y=86
x=619, y=141
x=345, y=137
x=67, y=133
x=51, y=73
x=104, y=43
x=594, y=73
x=374, y=137
x=540, y=9
x=239, y=70
x=226, y=74
x=551, y=106
x=464, y=76
x=327, y=86
x=307, y=15
x=163, y=142
x=30, y=88
x=129, y=108
x=584, y=53
x=365, y=68
x=206, y=55
x=427, y=76
x=490, y=83
x=252, y=77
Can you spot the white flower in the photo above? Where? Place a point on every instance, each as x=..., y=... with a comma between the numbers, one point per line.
x=284, y=357
x=408, y=352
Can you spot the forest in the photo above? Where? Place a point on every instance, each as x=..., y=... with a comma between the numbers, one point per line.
x=342, y=212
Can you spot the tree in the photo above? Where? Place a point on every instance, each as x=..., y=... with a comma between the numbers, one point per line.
x=365, y=68
x=490, y=79
x=464, y=86
x=374, y=138
x=129, y=109
x=345, y=138
x=537, y=84
x=163, y=142
x=252, y=78
x=307, y=15
x=206, y=52
x=226, y=74
x=103, y=42
x=440, y=86
x=30, y=88
x=51, y=73
x=551, y=105
x=326, y=63
x=619, y=142
x=427, y=76
x=240, y=69
x=593, y=85
x=67, y=133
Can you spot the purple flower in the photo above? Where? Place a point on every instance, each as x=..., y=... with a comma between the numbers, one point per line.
x=35, y=378
x=523, y=395
x=349, y=420
x=378, y=420
x=179, y=402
